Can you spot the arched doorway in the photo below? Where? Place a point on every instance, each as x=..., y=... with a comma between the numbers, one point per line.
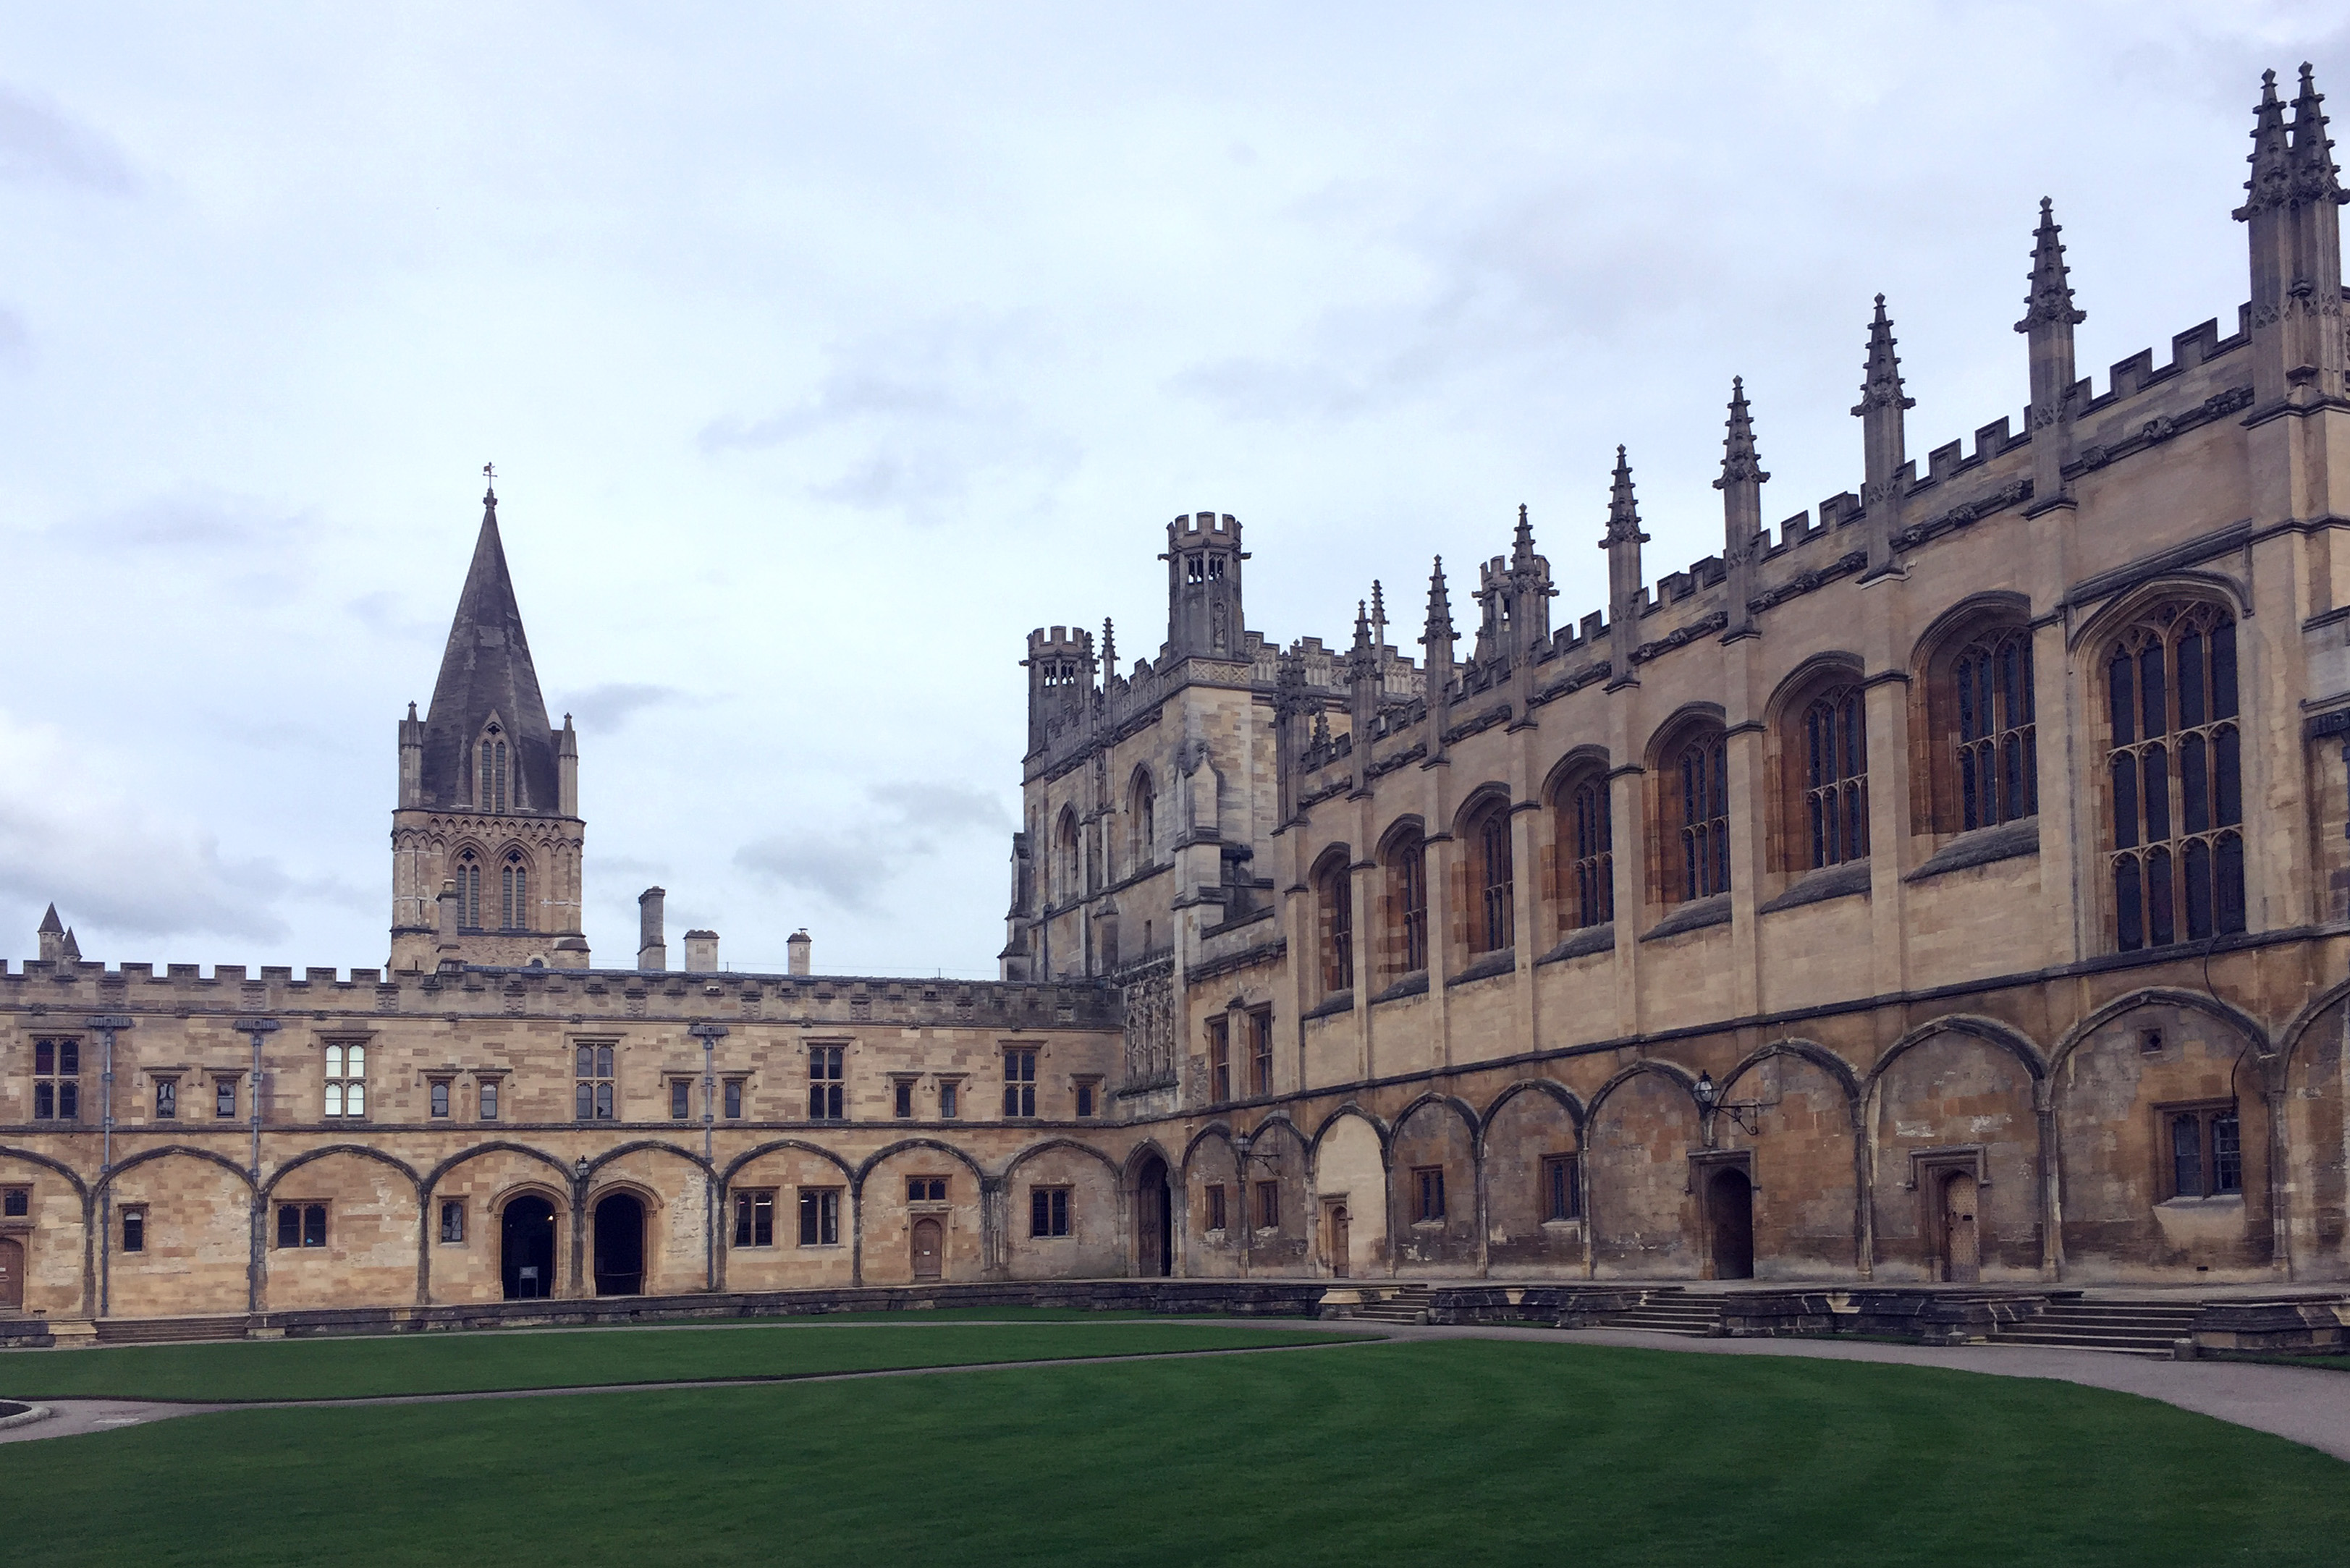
x=1961, y=1244
x=1730, y=1205
x=1154, y=1216
x=526, y=1248
x=930, y=1243
x=620, y=1246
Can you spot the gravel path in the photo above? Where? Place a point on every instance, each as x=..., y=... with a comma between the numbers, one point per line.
x=2307, y=1405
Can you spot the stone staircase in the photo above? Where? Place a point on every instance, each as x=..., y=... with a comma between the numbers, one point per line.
x=1671, y=1310
x=1403, y=1304
x=169, y=1330
x=2131, y=1328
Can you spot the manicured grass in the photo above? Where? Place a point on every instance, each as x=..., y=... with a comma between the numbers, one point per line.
x=1444, y=1452
x=468, y=1363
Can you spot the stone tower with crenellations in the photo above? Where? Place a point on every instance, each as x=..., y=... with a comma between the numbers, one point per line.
x=486, y=839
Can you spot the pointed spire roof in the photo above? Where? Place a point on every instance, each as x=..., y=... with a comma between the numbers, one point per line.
x=72, y=954
x=1110, y=651
x=2314, y=177
x=1440, y=612
x=486, y=672
x=1522, y=543
x=1740, y=463
x=1880, y=385
x=50, y=925
x=1379, y=613
x=2050, y=301
x=1622, y=510
x=2272, y=156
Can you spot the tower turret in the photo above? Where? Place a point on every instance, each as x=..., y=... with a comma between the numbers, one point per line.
x=1624, y=585
x=1741, y=510
x=2049, y=317
x=1060, y=666
x=2295, y=234
x=1203, y=586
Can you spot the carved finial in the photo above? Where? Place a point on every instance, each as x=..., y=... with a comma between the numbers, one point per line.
x=1109, y=645
x=1740, y=463
x=2272, y=155
x=411, y=713
x=490, y=486
x=1623, y=511
x=1880, y=385
x=1440, y=610
x=2050, y=301
x=2314, y=177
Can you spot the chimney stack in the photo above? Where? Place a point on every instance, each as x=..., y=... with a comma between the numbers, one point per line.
x=798, y=947
x=702, y=952
x=652, y=947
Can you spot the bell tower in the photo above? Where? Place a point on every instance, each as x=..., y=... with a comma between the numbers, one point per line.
x=486, y=838
x=1203, y=586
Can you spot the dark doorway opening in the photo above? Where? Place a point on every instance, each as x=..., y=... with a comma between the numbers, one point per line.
x=1154, y=1219
x=1730, y=1204
x=12, y=1275
x=1961, y=1238
x=930, y=1241
x=619, y=1246
x=1342, y=1242
x=526, y=1248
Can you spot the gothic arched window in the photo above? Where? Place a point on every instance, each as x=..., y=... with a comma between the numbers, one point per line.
x=1491, y=876
x=1334, y=896
x=1406, y=877
x=1999, y=763
x=1068, y=859
x=1142, y=809
x=491, y=794
x=2175, y=774
x=1587, y=846
x=469, y=891
x=513, y=893
x=1835, y=777
x=1697, y=789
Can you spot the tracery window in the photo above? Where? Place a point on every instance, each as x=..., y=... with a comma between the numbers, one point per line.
x=1144, y=812
x=347, y=1081
x=1587, y=830
x=1698, y=780
x=1835, y=777
x=1999, y=765
x=1335, y=895
x=1407, y=874
x=491, y=794
x=469, y=891
x=2175, y=773
x=513, y=893
x=1068, y=859
x=1491, y=869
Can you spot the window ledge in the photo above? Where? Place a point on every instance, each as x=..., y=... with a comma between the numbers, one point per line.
x=1599, y=938
x=1413, y=984
x=2216, y=1201
x=1818, y=887
x=1484, y=966
x=1337, y=1002
x=1981, y=846
x=1695, y=914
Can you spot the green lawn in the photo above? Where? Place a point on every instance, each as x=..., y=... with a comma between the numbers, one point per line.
x=1446, y=1453
x=468, y=1363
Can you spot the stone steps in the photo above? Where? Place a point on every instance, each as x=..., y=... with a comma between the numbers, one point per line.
x=1696, y=1317
x=2128, y=1328
x=1406, y=1304
x=169, y=1330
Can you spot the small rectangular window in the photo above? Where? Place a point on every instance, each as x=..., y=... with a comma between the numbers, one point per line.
x=819, y=1216
x=452, y=1220
x=2205, y=1149
x=1085, y=1098
x=926, y=1190
x=1260, y=1052
x=1215, y=1206
x=733, y=1099
x=439, y=1096
x=167, y=1099
x=17, y=1202
x=56, y=1080
x=949, y=1098
x=902, y=1097
x=314, y=1225
x=825, y=1087
x=1429, y=1180
x=489, y=1099
x=1020, y=1082
x=1560, y=1199
x=1048, y=1212
x=755, y=1219
x=224, y=1099
x=301, y=1224
x=289, y=1225
x=1220, y=1059
x=680, y=1099
x=134, y=1227
x=1268, y=1205
x=593, y=1098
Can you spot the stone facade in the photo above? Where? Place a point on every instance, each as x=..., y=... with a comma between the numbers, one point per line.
x=1951, y=885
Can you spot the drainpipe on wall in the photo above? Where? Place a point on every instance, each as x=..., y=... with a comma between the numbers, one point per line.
x=709, y=1034
x=104, y=1028
x=259, y=1029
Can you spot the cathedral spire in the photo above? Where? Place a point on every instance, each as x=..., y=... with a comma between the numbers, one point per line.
x=1624, y=585
x=1884, y=444
x=1741, y=507
x=2049, y=317
x=487, y=676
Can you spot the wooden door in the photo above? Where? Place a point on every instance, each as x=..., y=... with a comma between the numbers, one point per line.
x=1338, y=1243
x=1730, y=1203
x=929, y=1242
x=1961, y=1245
x=12, y=1274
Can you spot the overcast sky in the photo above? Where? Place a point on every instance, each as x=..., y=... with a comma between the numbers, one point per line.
x=824, y=351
